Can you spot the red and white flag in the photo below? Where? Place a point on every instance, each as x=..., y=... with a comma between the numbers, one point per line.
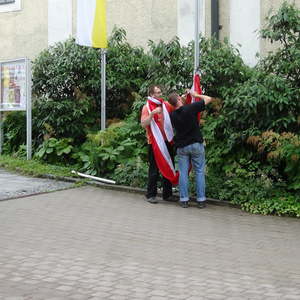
x=195, y=88
x=161, y=152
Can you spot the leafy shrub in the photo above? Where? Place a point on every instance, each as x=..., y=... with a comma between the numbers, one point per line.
x=62, y=69
x=66, y=69
x=222, y=66
x=54, y=150
x=127, y=69
x=283, y=27
x=102, y=152
x=265, y=99
x=14, y=131
x=267, y=102
x=132, y=173
x=171, y=65
x=63, y=119
x=281, y=150
x=287, y=205
x=239, y=182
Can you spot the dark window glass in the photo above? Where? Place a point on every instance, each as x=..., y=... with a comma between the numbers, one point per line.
x=7, y=1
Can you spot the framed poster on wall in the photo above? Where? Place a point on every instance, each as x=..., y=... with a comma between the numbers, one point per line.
x=13, y=85
x=15, y=94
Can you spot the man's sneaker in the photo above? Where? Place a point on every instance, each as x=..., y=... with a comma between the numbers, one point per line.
x=184, y=204
x=201, y=204
x=152, y=200
x=170, y=199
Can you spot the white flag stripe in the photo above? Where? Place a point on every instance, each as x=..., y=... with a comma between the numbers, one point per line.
x=85, y=21
x=160, y=142
x=167, y=121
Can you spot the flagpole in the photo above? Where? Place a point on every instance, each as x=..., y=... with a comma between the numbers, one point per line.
x=103, y=88
x=197, y=50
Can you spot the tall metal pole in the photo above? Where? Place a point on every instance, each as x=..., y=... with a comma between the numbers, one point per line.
x=1, y=131
x=1, y=113
x=28, y=111
x=103, y=88
x=197, y=32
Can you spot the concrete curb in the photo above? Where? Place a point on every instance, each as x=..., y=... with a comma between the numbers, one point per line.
x=133, y=190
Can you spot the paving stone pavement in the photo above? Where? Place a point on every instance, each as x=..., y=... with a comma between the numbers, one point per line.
x=15, y=185
x=90, y=243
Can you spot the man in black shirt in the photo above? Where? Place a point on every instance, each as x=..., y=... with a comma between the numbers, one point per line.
x=189, y=143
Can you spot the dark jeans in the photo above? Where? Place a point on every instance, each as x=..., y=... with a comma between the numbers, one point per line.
x=154, y=175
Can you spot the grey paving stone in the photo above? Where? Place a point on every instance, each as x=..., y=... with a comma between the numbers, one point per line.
x=15, y=185
x=87, y=242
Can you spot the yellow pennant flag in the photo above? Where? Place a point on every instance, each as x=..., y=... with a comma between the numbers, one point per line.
x=91, y=23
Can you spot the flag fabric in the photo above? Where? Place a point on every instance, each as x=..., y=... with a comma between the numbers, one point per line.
x=91, y=23
x=161, y=152
x=195, y=88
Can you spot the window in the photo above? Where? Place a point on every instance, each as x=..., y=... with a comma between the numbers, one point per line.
x=6, y=1
x=10, y=5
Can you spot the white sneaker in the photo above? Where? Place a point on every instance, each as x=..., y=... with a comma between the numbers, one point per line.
x=152, y=200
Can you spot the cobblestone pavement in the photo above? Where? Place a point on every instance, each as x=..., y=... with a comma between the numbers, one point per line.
x=15, y=185
x=89, y=243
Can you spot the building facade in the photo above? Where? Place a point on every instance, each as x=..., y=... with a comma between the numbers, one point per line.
x=29, y=26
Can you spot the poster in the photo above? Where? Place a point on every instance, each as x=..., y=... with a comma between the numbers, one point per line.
x=13, y=85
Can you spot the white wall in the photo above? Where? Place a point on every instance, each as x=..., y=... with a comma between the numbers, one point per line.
x=23, y=33
x=143, y=20
x=186, y=20
x=244, y=22
x=59, y=20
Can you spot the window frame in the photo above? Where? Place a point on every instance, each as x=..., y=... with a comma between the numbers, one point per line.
x=3, y=2
x=11, y=6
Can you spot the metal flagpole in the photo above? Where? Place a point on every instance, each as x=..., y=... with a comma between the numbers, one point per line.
x=103, y=88
x=1, y=132
x=28, y=110
x=1, y=113
x=197, y=32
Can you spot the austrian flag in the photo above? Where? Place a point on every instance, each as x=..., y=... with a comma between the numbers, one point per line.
x=161, y=152
x=195, y=88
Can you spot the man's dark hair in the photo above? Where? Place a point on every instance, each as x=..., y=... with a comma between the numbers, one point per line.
x=151, y=89
x=173, y=98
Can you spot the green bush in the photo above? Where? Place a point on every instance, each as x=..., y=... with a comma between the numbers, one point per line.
x=287, y=205
x=283, y=27
x=66, y=69
x=131, y=173
x=282, y=151
x=54, y=150
x=127, y=69
x=171, y=65
x=265, y=101
x=14, y=131
x=50, y=118
x=105, y=150
x=66, y=118
x=62, y=70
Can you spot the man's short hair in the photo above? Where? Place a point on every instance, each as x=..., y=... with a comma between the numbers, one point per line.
x=173, y=98
x=152, y=88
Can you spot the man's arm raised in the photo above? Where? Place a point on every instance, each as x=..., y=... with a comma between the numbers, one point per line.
x=207, y=99
x=145, y=121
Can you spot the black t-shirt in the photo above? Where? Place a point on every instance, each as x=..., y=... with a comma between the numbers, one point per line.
x=185, y=121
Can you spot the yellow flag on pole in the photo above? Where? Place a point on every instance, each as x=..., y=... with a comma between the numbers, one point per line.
x=91, y=23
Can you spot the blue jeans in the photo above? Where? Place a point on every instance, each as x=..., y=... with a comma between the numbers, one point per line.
x=195, y=154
